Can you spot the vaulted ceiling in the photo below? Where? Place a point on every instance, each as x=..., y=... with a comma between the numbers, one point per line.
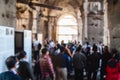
x=55, y=2
x=69, y=6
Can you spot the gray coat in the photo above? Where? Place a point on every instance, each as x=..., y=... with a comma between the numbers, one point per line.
x=79, y=60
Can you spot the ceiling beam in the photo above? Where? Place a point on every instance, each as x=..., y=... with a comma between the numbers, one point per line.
x=38, y=4
x=46, y=6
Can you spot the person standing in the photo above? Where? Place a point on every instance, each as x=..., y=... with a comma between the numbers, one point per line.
x=105, y=57
x=11, y=74
x=46, y=66
x=112, y=68
x=25, y=69
x=94, y=63
x=36, y=47
x=61, y=65
x=79, y=61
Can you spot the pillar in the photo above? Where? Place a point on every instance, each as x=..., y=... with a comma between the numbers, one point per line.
x=80, y=26
x=52, y=28
x=85, y=19
x=106, y=39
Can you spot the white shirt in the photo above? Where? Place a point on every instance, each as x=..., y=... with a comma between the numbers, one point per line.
x=35, y=44
x=14, y=70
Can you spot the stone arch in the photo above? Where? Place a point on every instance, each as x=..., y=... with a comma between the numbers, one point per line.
x=65, y=24
x=66, y=14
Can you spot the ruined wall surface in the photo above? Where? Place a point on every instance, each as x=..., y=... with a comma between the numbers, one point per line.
x=8, y=13
x=114, y=23
x=95, y=28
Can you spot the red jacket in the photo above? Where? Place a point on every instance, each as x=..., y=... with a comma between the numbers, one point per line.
x=119, y=71
x=112, y=72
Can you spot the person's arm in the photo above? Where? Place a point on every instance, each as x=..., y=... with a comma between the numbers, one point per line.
x=68, y=51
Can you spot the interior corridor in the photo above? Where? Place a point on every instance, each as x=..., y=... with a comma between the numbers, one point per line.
x=32, y=25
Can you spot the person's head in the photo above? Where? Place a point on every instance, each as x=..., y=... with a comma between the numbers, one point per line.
x=44, y=51
x=87, y=49
x=87, y=43
x=79, y=48
x=62, y=42
x=106, y=49
x=117, y=56
x=11, y=62
x=22, y=55
x=52, y=44
x=62, y=49
x=36, y=38
x=114, y=51
x=95, y=48
x=58, y=46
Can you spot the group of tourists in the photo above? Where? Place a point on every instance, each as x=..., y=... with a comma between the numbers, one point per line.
x=65, y=61
x=80, y=61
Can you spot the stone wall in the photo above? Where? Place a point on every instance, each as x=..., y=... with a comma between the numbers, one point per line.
x=8, y=13
x=114, y=23
x=95, y=28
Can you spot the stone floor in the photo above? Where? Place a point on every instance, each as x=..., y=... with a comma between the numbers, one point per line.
x=85, y=77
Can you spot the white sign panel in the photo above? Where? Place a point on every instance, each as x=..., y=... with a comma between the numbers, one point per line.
x=28, y=44
x=6, y=45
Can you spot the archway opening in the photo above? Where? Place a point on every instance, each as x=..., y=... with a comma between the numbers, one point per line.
x=67, y=29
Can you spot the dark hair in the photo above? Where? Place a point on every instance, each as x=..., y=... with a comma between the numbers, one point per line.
x=114, y=51
x=106, y=48
x=112, y=63
x=44, y=50
x=58, y=46
x=79, y=48
x=21, y=55
x=10, y=62
x=62, y=49
x=117, y=56
x=88, y=48
x=94, y=47
x=87, y=43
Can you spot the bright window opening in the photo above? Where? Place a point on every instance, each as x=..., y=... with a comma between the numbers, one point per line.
x=67, y=29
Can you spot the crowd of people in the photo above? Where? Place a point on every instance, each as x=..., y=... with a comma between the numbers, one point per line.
x=61, y=61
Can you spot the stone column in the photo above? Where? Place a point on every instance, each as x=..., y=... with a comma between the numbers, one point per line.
x=106, y=38
x=85, y=18
x=55, y=28
x=34, y=26
x=50, y=29
x=80, y=26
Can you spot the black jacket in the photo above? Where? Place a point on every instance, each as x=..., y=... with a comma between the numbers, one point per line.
x=25, y=71
x=9, y=75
